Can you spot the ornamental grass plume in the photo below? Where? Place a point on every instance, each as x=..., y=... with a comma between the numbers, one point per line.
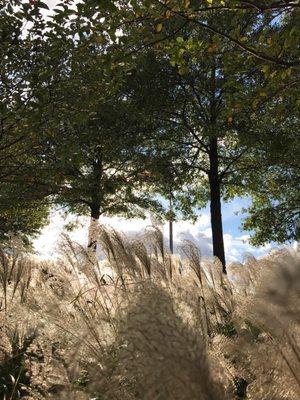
x=263, y=354
x=141, y=324
x=158, y=353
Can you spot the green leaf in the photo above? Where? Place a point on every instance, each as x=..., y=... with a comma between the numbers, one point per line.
x=40, y=4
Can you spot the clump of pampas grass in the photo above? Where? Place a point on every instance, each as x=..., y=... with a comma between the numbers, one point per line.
x=143, y=324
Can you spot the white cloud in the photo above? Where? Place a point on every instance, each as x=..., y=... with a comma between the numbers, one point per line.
x=199, y=233
x=51, y=3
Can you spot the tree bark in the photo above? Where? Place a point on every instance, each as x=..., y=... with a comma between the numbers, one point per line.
x=94, y=227
x=171, y=227
x=215, y=204
x=95, y=204
x=171, y=236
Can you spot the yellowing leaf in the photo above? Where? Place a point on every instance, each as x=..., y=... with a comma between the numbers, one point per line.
x=230, y=119
x=187, y=3
x=159, y=27
x=213, y=47
x=243, y=39
x=223, y=3
x=210, y=2
x=263, y=94
x=265, y=68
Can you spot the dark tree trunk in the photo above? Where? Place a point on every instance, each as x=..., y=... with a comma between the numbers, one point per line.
x=95, y=205
x=95, y=215
x=171, y=236
x=215, y=204
x=95, y=211
x=171, y=226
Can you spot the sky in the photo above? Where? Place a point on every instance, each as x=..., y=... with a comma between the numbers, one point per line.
x=51, y=3
x=236, y=241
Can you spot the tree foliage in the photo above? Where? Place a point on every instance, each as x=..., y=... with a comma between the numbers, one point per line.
x=105, y=104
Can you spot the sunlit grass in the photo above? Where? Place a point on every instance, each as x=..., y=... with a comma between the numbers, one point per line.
x=144, y=324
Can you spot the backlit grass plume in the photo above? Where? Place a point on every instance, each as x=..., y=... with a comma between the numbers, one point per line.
x=140, y=323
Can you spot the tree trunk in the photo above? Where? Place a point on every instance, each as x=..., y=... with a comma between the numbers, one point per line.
x=171, y=227
x=171, y=236
x=215, y=204
x=94, y=227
